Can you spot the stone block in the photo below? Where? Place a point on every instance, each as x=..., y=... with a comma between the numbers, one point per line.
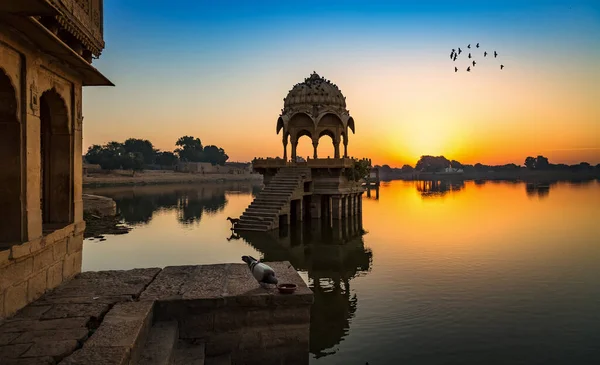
x=13, y=351
x=6, y=338
x=37, y=244
x=11, y=326
x=16, y=272
x=222, y=343
x=228, y=320
x=56, y=349
x=15, y=298
x=60, y=249
x=74, y=244
x=43, y=259
x=259, y=317
x=32, y=311
x=4, y=257
x=77, y=334
x=1, y=305
x=99, y=356
x=168, y=283
x=22, y=250
x=36, y=286
x=95, y=311
x=291, y=315
x=46, y=360
x=72, y=265
x=197, y=325
x=55, y=275
x=79, y=227
x=125, y=325
x=285, y=335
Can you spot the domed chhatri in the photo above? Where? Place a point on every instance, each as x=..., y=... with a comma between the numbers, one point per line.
x=315, y=108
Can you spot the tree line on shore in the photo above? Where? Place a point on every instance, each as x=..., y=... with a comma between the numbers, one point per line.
x=137, y=154
x=429, y=163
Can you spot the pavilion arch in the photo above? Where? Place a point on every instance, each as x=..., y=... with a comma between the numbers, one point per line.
x=351, y=124
x=56, y=146
x=301, y=120
x=11, y=228
x=332, y=135
x=295, y=136
x=280, y=124
x=330, y=120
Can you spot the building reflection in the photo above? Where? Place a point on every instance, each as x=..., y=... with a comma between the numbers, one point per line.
x=332, y=253
x=437, y=188
x=137, y=205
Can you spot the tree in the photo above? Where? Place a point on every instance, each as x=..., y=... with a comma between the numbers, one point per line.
x=407, y=168
x=132, y=161
x=142, y=146
x=190, y=149
x=541, y=163
x=360, y=170
x=166, y=158
x=432, y=163
x=530, y=163
x=215, y=155
x=93, y=154
x=455, y=164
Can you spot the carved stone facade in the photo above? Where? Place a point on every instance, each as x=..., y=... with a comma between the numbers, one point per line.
x=41, y=230
x=315, y=108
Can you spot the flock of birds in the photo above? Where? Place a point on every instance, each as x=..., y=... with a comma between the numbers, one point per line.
x=454, y=56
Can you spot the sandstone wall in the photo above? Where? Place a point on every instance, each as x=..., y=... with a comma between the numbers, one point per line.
x=30, y=269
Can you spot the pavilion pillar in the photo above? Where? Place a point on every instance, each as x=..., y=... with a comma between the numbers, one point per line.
x=336, y=148
x=315, y=206
x=345, y=200
x=294, y=146
x=285, y=142
x=315, y=145
x=299, y=209
x=336, y=207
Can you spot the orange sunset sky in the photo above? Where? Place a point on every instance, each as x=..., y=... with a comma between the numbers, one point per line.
x=220, y=72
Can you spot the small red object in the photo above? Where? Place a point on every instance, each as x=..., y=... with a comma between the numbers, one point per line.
x=287, y=288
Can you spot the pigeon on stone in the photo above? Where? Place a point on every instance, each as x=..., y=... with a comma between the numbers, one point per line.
x=263, y=273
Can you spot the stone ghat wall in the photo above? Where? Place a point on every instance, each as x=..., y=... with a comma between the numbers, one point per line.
x=116, y=317
x=28, y=270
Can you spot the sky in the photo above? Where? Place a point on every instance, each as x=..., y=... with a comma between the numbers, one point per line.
x=219, y=70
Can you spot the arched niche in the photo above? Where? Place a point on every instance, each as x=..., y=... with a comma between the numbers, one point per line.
x=10, y=163
x=56, y=149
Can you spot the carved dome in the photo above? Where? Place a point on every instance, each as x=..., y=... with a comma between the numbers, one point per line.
x=315, y=90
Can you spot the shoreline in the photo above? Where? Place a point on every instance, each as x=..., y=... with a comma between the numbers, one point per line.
x=532, y=177
x=162, y=178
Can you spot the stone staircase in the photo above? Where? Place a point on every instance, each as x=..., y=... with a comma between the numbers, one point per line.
x=263, y=213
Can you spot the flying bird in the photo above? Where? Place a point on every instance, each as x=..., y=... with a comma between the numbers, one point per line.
x=459, y=50
x=473, y=63
x=477, y=45
x=455, y=69
x=484, y=54
x=469, y=69
x=501, y=67
x=455, y=55
x=452, y=54
x=495, y=54
x=263, y=273
x=469, y=55
x=469, y=46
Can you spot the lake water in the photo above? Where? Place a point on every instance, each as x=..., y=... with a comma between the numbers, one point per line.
x=473, y=273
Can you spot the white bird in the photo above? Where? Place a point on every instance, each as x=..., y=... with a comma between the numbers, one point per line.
x=263, y=273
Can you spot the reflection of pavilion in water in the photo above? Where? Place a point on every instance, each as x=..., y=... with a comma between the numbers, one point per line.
x=137, y=205
x=437, y=188
x=331, y=252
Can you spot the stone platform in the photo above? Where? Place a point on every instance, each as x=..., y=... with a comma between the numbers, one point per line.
x=177, y=315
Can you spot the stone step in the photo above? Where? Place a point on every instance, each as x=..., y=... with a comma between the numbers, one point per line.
x=262, y=214
x=267, y=203
x=272, y=198
x=274, y=194
x=161, y=340
x=218, y=360
x=250, y=218
x=252, y=226
x=188, y=354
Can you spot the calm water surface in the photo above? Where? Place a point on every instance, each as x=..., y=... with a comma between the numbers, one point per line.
x=488, y=273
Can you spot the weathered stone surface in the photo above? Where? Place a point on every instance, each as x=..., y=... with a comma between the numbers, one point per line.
x=59, y=249
x=32, y=311
x=16, y=325
x=98, y=356
x=123, y=325
x=94, y=310
x=218, y=360
x=79, y=227
x=55, y=275
x=6, y=338
x=74, y=244
x=105, y=284
x=196, y=325
x=56, y=349
x=159, y=345
x=36, y=286
x=46, y=360
x=188, y=353
x=13, y=351
x=22, y=250
x=43, y=259
x=37, y=244
x=168, y=284
x=285, y=335
x=4, y=257
x=15, y=298
x=72, y=264
x=222, y=343
x=208, y=282
x=59, y=334
x=15, y=272
x=51, y=299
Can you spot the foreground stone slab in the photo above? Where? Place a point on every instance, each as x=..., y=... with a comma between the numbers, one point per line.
x=98, y=356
